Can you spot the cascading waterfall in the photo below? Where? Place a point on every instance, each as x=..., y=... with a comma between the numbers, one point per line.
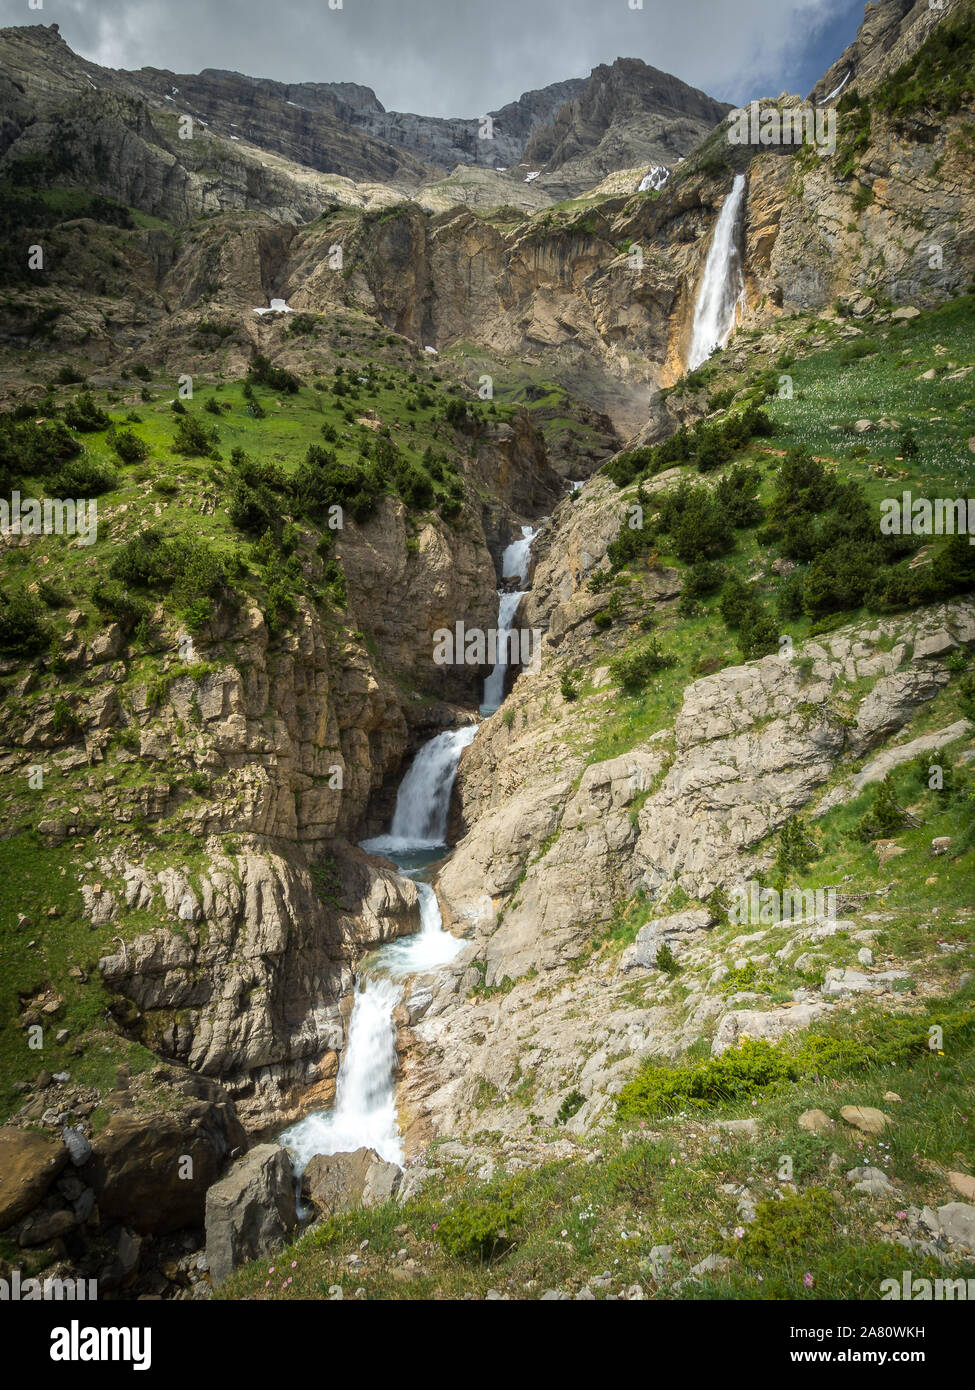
x=515, y=563
x=423, y=799
x=722, y=284
x=364, y=1113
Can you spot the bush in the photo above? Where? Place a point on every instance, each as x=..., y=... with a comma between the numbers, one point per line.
x=570, y=691
x=789, y=1228
x=21, y=631
x=633, y=668
x=264, y=373
x=884, y=818
x=83, y=477
x=84, y=415
x=482, y=1229
x=128, y=446
x=193, y=438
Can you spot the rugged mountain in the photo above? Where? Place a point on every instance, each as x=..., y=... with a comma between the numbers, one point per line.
x=627, y=114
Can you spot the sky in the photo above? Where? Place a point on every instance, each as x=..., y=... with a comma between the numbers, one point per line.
x=462, y=57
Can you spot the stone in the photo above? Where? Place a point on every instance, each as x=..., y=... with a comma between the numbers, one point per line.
x=941, y=844
x=906, y=311
x=957, y=1222
x=964, y=1185
x=340, y=1182
x=748, y=1128
x=814, y=1121
x=137, y=1163
x=870, y=1180
x=45, y=1226
x=250, y=1211
x=892, y=1097
x=865, y=1118
x=660, y=1257
x=77, y=1146
x=711, y=1264
x=865, y=956
x=29, y=1163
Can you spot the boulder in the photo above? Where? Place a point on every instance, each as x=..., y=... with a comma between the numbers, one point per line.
x=250, y=1211
x=29, y=1163
x=957, y=1222
x=151, y=1172
x=340, y=1182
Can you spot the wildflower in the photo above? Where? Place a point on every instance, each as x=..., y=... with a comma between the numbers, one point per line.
x=739, y=1232
x=901, y=1215
x=564, y=1233
x=294, y=1264
x=808, y=1280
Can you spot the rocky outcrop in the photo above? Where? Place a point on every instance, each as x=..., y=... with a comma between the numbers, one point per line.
x=29, y=1164
x=151, y=1172
x=339, y=1182
x=246, y=978
x=627, y=114
x=250, y=1211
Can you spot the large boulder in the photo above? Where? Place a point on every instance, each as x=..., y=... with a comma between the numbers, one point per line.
x=152, y=1172
x=250, y=1211
x=29, y=1163
x=340, y=1182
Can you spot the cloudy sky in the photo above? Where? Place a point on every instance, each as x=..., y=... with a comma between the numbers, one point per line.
x=462, y=57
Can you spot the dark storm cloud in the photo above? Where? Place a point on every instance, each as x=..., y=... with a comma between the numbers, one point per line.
x=462, y=57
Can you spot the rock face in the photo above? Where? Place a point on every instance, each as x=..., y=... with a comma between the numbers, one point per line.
x=627, y=114
x=152, y=1172
x=249, y=1211
x=29, y=1163
x=245, y=982
x=892, y=30
x=340, y=1182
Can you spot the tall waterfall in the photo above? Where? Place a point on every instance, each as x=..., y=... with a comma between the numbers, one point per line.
x=722, y=284
x=515, y=562
x=364, y=1113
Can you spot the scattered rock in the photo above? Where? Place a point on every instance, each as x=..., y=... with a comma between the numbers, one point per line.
x=956, y=1220
x=865, y=1118
x=870, y=1180
x=340, y=1182
x=814, y=1121
x=29, y=1163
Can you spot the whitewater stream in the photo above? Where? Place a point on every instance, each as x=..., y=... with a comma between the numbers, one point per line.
x=364, y=1113
x=722, y=284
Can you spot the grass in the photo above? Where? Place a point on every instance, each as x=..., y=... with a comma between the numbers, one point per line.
x=604, y=1211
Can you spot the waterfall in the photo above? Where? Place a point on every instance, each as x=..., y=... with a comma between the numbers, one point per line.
x=423, y=799
x=514, y=560
x=515, y=563
x=494, y=683
x=722, y=284
x=364, y=1113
